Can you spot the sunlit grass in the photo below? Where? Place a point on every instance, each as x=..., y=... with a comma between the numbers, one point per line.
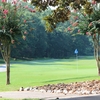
x=17, y=99
x=50, y=71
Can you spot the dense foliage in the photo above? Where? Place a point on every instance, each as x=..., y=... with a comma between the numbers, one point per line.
x=58, y=44
x=63, y=9
x=40, y=43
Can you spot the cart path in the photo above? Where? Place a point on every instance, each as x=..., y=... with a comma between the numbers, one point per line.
x=3, y=68
x=46, y=96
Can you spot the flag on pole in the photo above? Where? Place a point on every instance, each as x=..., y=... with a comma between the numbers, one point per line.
x=76, y=51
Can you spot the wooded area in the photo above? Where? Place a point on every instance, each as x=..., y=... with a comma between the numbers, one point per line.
x=57, y=44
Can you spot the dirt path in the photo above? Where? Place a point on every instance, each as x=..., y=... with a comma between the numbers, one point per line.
x=45, y=96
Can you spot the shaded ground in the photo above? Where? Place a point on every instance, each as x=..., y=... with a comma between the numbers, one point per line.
x=83, y=98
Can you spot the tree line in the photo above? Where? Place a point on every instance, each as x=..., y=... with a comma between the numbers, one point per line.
x=57, y=44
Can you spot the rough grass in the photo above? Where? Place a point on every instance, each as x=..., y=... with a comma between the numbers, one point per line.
x=49, y=71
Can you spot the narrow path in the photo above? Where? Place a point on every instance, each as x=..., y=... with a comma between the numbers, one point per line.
x=2, y=68
x=46, y=96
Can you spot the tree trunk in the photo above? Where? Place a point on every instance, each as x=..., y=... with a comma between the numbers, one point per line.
x=5, y=51
x=98, y=65
x=8, y=70
x=97, y=51
x=98, y=71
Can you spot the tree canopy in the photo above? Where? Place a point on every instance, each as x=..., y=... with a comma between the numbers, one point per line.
x=63, y=9
x=58, y=44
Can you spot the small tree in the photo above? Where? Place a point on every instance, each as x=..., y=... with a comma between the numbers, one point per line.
x=88, y=23
x=14, y=19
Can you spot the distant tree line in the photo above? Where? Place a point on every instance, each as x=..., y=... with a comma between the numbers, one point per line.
x=58, y=44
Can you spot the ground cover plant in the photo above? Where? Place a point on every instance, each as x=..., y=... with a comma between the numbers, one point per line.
x=49, y=71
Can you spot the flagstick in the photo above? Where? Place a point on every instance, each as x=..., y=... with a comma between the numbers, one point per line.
x=76, y=52
x=77, y=61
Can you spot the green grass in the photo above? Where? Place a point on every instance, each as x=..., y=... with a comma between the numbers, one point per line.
x=49, y=71
x=18, y=99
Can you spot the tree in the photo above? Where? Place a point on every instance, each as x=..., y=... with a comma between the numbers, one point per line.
x=86, y=18
x=14, y=18
x=81, y=42
x=58, y=44
x=88, y=23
